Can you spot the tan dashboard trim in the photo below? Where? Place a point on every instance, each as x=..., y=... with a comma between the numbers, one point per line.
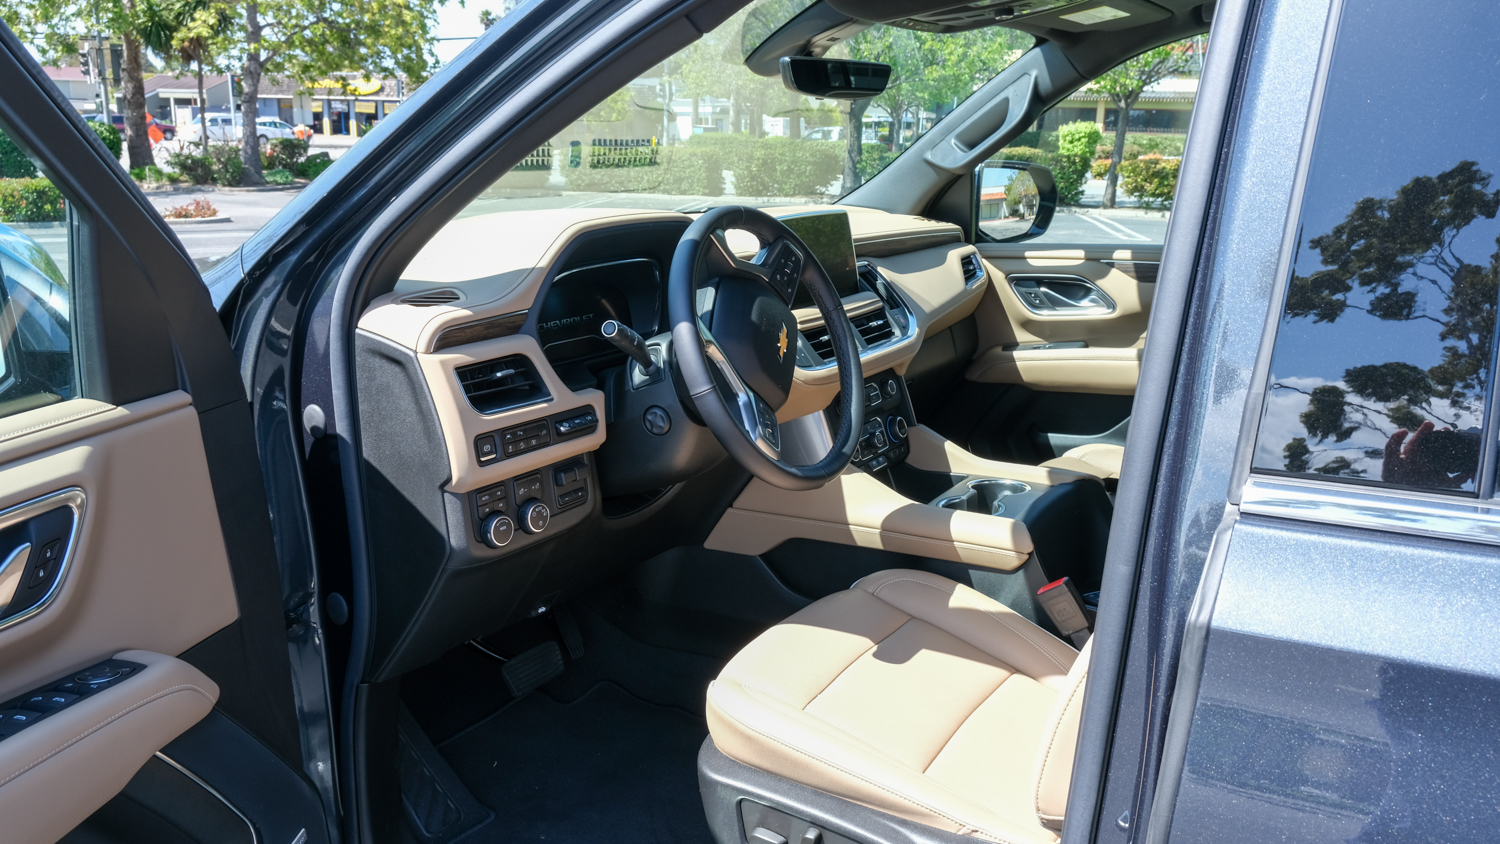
x=855, y=509
x=461, y=423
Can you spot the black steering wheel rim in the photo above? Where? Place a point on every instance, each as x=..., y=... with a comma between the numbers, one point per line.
x=712, y=380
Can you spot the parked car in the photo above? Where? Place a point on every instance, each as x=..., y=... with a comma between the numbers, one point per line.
x=158, y=130
x=446, y=510
x=271, y=128
x=222, y=128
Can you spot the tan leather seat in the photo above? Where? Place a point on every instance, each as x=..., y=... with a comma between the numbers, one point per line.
x=1099, y=460
x=914, y=695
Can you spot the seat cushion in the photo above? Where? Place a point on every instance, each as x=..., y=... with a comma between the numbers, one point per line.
x=1100, y=460
x=914, y=695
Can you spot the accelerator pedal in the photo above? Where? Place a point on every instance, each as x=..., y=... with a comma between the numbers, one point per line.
x=530, y=669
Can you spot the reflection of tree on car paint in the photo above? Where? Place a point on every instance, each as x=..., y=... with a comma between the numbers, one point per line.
x=35, y=340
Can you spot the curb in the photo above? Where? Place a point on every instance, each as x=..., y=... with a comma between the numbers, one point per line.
x=1161, y=214
x=199, y=221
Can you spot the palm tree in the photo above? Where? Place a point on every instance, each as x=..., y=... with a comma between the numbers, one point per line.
x=184, y=29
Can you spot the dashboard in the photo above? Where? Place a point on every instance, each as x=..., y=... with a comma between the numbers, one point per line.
x=527, y=433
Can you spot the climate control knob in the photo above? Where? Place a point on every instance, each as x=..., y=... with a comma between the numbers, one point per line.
x=535, y=516
x=497, y=530
x=896, y=426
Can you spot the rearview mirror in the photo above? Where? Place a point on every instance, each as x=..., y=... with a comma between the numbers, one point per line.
x=1014, y=200
x=837, y=79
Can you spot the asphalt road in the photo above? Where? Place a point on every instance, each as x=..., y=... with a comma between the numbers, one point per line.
x=248, y=211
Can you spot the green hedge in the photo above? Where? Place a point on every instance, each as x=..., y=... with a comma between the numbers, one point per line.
x=109, y=135
x=13, y=162
x=1023, y=153
x=761, y=167
x=872, y=159
x=286, y=153
x=30, y=201
x=1076, y=143
x=313, y=166
x=1150, y=179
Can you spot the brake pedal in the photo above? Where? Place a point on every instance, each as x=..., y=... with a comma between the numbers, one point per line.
x=526, y=671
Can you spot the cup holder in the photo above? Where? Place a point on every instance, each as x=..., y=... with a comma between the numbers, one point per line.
x=985, y=495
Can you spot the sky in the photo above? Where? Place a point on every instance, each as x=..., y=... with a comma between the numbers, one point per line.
x=460, y=21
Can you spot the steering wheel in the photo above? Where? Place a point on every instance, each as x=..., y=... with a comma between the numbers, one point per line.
x=735, y=341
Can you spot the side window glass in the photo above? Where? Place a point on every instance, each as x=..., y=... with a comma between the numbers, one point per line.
x=1385, y=344
x=1115, y=175
x=36, y=343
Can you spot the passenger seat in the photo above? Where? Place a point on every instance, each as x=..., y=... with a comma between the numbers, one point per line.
x=1098, y=459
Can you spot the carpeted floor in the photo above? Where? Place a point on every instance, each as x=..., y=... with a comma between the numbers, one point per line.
x=607, y=767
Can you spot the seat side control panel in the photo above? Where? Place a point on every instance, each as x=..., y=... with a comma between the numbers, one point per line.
x=527, y=503
x=21, y=712
x=538, y=433
x=888, y=415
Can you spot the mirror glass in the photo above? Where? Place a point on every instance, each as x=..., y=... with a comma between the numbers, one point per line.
x=838, y=79
x=1015, y=200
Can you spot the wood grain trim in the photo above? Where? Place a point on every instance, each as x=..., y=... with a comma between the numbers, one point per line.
x=1143, y=272
x=880, y=247
x=503, y=325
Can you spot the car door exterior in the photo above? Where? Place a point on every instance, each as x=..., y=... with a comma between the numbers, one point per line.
x=143, y=656
x=1322, y=532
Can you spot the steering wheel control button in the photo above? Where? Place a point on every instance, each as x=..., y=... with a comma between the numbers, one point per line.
x=657, y=420
x=896, y=428
x=485, y=449
x=498, y=530
x=535, y=516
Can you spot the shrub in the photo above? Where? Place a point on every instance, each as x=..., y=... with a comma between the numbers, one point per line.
x=228, y=166
x=784, y=167
x=33, y=200
x=761, y=167
x=109, y=135
x=1076, y=143
x=1100, y=168
x=1018, y=153
x=195, y=210
x=286, y=153
x=1032, y=139
x=13, y=163
x=278, y=176
x=1150, y=179
x=195, y=168
x=872, y=159
x=313, y=166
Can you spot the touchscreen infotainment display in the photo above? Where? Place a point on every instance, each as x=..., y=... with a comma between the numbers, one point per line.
x=827, y=234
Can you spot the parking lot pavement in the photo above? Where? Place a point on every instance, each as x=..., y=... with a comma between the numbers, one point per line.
x=208, y=243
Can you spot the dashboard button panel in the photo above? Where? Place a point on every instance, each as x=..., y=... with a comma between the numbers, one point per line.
x=526, y=504
x=888, y=415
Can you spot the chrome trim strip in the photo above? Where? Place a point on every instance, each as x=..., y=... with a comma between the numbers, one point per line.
x=1407, y=513
x=254, y=837
x=73, y=498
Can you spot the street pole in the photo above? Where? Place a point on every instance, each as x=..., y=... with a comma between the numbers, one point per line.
x=103, y=64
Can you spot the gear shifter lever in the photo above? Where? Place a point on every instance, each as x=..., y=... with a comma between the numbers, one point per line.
x=629, y=342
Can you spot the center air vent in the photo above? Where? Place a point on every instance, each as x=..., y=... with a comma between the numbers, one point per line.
x=874, y=328
x=973, y=269
x=820, y=341
x=502, y=384
x=428, y=298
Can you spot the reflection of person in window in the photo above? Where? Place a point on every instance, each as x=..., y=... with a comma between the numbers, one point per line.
x=1442, y=459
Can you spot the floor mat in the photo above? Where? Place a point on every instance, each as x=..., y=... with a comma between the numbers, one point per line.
x=606, y=767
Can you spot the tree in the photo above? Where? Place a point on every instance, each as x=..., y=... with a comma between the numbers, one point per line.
x=1124, y=86
x=185, y=31
x=488, y=19
x=54, y=27
x=311, y=39
x=1381, y=261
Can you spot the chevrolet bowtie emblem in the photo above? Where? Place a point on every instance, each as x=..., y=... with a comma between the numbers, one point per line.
x=781, y=344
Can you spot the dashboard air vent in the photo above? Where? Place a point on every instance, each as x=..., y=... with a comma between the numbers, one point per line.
x=501, y=384
x=870, y=276
x=874, y=327
x=820, y=341
x=973, y=269
x=428, y=298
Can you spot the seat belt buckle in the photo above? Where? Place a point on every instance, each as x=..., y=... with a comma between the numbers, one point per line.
x=1064, y=606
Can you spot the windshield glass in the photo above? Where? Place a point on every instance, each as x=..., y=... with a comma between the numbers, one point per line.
x=700, y=129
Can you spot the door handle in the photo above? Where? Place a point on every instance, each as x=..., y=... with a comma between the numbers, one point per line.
x=1061, y=295
x=40, y=535
x=10, y=573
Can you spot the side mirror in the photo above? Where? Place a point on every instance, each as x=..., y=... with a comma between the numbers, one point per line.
x=837, y=79
x=1014, y=200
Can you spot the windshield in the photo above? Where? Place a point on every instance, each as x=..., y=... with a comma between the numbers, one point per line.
x=701, y=130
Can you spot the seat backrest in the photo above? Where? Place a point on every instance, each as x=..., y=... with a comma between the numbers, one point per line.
x=1054, y=764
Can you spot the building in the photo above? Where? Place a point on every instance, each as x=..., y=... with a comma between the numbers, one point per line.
x=348, y=105
x=1163, y=109
x=173, y=98
x=76, y=87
